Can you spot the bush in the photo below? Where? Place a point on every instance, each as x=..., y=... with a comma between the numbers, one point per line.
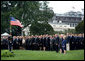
x=7, y=53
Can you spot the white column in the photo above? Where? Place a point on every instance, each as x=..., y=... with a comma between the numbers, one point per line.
x=68, y=46
x=22, y=32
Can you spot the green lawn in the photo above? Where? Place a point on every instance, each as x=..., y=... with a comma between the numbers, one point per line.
x=45, y=55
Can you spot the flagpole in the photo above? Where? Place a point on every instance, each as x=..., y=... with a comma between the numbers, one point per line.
x=10, y=26
x=10, y=29
x=22, y=31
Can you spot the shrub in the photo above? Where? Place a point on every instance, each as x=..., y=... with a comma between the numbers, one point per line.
x=7, y=53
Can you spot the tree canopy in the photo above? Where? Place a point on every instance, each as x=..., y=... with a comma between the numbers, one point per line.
x=41, y=29
x=80, y=27
x=27, y=12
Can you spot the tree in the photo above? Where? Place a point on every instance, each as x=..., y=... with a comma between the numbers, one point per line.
x=80, y=27
x=41, y=28
x=21, y=10
x=43, y=16
x=27, y=12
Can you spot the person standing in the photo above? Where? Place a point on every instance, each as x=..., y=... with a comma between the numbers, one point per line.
x=10, y=43
x=51, y=43
x=60, y=43
x=23, y=42
x=64, y=44
x=40, y=42
x=56, y=43
x=44, y=42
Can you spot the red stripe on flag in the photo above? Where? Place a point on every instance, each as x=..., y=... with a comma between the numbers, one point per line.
x=17, y=23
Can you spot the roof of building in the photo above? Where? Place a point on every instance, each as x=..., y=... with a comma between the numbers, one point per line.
x=71, y=14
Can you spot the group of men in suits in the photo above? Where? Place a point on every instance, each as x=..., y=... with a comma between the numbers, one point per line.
x=76, y=41
x=46, y=42
x=4, y=43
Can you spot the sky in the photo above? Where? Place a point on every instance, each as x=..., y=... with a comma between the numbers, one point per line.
x=66, y=6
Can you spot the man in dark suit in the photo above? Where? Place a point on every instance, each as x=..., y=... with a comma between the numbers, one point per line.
x=20, y=42
x=14, y=42
x=47, y=42
x=27, y=44
x=36, y=43
x=17, y=42
x=5, y=42
x=32, y=42
x=60, y=43
x=72, y=42
x=40, y=42
x=10, y=43
x=77, y=42
x=44, y=42
x=56, y=42
x=68, y=38
x=81, y=41
x=51, y=43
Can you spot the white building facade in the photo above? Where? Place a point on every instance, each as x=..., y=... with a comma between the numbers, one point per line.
x=69, y=20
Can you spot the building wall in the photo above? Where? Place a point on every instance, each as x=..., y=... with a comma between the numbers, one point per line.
x=61, y=26
x=62, y=22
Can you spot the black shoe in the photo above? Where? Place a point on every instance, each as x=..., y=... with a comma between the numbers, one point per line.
x=12, y=52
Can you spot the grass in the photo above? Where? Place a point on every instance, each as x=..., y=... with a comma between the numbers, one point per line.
x=45, y=55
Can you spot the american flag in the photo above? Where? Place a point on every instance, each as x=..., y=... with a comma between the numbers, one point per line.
x=15, y=22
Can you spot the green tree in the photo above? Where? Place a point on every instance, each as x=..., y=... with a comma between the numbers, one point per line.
x=43, y=16
x=80, y=27
x=25, y=11
x=41, y=28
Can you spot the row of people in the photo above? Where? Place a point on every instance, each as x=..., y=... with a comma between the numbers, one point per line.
x=47, y=42
x=42, y=42
x=76, y=41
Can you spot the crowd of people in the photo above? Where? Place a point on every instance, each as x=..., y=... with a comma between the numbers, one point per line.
x=46, y=42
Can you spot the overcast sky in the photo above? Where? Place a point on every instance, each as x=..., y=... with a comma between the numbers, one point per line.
x=65, y=6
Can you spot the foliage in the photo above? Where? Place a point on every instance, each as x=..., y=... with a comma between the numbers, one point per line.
x=66, y=31
x=7, y=53
x=70, y=31
x=25, y=11
x=41, y=28
x=46, y=55
x=59, y=32
x=80, y=27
